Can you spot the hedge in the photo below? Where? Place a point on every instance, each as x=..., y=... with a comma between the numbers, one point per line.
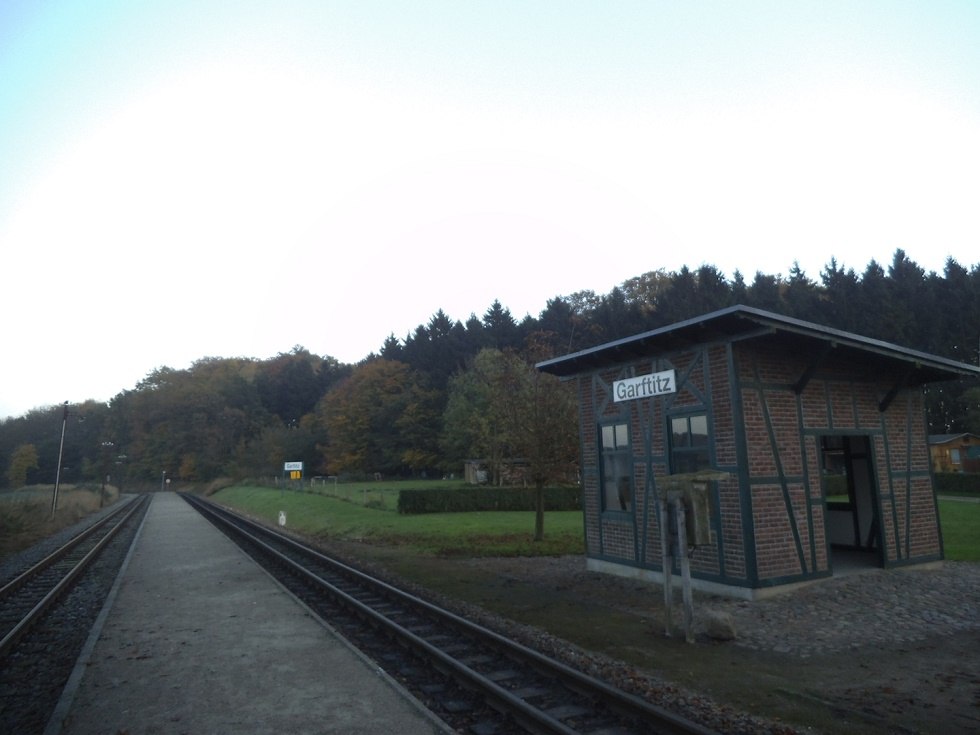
x=468, y=500
x=957, y=483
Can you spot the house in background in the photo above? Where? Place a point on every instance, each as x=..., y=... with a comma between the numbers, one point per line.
x=820, y=434
x=954, y=452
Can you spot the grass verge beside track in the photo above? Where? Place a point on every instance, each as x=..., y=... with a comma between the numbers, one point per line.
x=483, y=534
x=441, y=534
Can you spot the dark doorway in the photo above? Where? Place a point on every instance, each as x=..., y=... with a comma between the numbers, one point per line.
x=851, y=496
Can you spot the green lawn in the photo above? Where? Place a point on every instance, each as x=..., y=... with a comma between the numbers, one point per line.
x=366, y=511
x=961, y=529
x=448, y=534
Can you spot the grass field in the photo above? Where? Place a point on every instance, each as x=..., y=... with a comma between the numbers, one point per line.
x=366, y=511
x=25, y=515
x=961, y=529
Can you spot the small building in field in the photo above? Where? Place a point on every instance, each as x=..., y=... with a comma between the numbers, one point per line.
x=821, y=434
x=955, y=452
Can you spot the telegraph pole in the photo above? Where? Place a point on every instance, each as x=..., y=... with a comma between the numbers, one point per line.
x=61, y=449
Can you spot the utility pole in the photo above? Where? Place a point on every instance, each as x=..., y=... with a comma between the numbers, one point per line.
x=61, y=450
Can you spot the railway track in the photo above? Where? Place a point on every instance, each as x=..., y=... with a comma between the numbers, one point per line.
x=47, y=612
x=25, y=599
x=471, y=677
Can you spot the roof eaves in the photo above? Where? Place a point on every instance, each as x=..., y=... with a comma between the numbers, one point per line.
x=768, y=323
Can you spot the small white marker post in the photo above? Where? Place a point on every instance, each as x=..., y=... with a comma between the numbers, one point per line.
x=282, y=518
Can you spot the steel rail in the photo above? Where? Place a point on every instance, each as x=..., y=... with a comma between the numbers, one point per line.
x=623, y=702
x=56, y=555
x=49, y=599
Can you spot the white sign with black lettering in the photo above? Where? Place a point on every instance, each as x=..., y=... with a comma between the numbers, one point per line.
x=645, y=386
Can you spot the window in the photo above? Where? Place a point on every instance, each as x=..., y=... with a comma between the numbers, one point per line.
x=689, y=451
x=617, y=467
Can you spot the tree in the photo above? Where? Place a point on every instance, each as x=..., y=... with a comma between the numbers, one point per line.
x=646, y=291
x=371, y=418
x=765, y=292
x=545, y=431
x=617, y=317
x=472, y=426
x=801, y=296
x=196, y=421
x=502, y=408
x=871, y=314
x=910, y=315
x=714, y=292
x=279, y=443
x=288, y=385
x=22, y=460
x=970, y=399
x=739, y=289
x=392, y=348
x=681, y=302
x=500, y=327
x=843, y=290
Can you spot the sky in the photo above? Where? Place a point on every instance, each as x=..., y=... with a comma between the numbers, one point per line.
x=233, y=178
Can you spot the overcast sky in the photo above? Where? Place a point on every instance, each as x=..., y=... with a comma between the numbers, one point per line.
x=234, y=177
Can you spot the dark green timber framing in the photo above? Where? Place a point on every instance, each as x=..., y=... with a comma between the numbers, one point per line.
x=600, y=387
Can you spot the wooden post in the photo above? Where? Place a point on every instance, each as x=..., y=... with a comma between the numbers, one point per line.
x=668, y=563
x=685, y=571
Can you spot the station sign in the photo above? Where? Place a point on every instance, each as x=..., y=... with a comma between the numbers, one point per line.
x=294, y=470
x=645, y=386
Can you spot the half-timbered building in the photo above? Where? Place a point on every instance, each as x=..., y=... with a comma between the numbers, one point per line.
x=820, y=433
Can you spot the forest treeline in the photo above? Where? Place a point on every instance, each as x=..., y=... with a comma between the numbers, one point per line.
x=402, y=410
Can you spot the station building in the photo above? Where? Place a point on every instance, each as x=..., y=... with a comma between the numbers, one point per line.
x=821, y=435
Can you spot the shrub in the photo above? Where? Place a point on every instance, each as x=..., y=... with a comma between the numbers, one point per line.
x=218, y=484
x=957, y=483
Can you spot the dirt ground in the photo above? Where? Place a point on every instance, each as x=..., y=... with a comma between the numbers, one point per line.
x=813, y=660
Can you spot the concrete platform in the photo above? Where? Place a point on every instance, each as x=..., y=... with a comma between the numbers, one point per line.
x=197, y=638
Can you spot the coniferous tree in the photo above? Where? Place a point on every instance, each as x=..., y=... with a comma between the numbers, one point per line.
x=765, y=292
x=872, y=312
x=392, y=348
x=714, y=292
x=842, y=290
x=500, y=328
x=801, y=297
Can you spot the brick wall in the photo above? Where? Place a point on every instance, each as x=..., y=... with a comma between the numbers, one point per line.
x=842, y=396
x=786, y=526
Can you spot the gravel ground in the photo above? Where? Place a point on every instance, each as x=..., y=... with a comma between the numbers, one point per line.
x=880, y=651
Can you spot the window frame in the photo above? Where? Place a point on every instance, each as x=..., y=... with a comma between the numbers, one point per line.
x=689, y=449
x=620, y=458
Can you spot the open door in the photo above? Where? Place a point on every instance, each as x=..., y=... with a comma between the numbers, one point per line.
x=851, y=496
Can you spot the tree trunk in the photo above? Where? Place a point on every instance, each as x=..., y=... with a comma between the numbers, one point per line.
x=539, y=513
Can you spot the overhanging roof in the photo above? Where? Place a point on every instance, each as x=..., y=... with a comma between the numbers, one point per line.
x=947, y=438
x=747, y=323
